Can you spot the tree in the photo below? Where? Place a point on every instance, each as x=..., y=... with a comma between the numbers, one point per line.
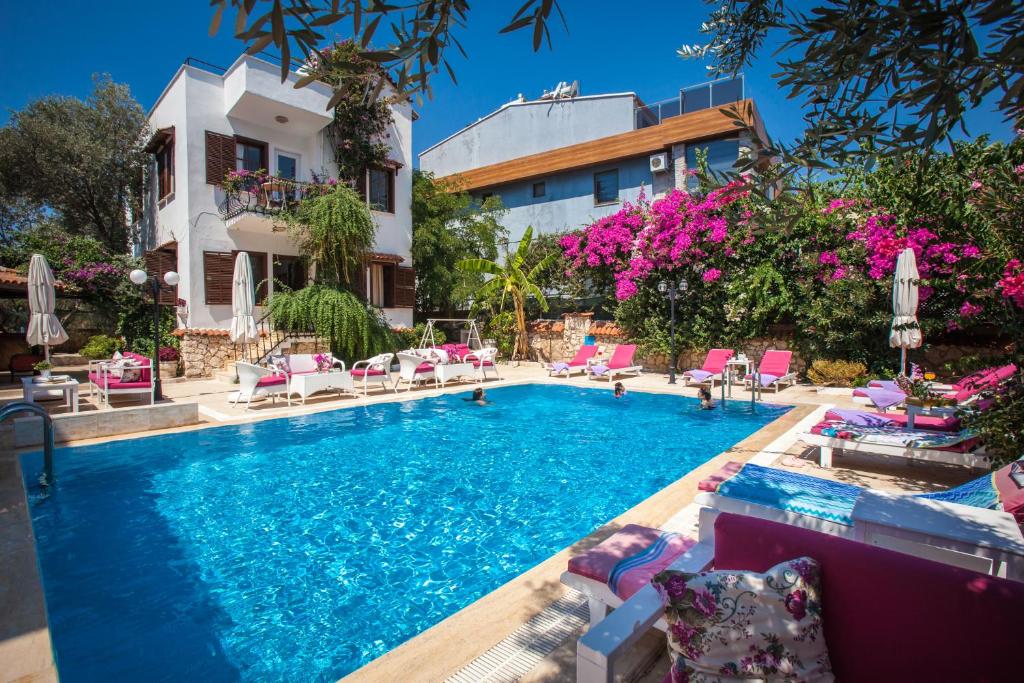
x=877, y=78
x=423, y=32
x=448, y=226
x=82, y=161
x=513, y=280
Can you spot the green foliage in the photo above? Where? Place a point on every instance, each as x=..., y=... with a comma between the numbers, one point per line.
x=502, y=329
x=515, y=280
x=836, y=373
x=354, y=329
x=1001, y=426
x=81, y=162
x=135, y=325
x=448, y=227
x=410, y=337
x=334, y=231
x=101, y=346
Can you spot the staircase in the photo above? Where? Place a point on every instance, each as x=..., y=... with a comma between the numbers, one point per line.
x=271, y=342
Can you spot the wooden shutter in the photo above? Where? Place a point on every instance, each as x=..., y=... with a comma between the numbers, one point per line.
x=158, y=262
x=359, y=281
x=405, y=287
x=218, y=271
x=220, y=157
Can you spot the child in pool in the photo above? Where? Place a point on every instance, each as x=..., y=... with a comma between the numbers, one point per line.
x=620, y=390
x=704, y=394
x=479, y=397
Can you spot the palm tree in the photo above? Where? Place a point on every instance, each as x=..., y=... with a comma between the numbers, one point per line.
x=512, y=280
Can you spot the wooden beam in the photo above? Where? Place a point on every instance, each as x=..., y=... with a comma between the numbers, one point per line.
x=692, y=127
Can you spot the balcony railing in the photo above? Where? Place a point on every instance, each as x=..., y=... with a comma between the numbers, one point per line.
x=261, y=194
x=694, y=98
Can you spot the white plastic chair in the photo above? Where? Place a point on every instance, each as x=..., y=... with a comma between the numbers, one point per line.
x=373, y=370
x=256, y=381
x=483, y=360
x=412, y=369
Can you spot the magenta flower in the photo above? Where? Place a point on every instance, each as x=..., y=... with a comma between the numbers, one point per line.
x=796, y=603
x=711, y=275
x=969, y=310
x=675, y=587
x=704, y=602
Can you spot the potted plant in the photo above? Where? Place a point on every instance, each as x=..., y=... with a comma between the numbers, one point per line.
x=168, y=357
x=43, y=367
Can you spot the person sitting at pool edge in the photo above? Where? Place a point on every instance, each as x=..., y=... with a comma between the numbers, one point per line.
x=479, y=397
x=704, y=394
x=620, y=390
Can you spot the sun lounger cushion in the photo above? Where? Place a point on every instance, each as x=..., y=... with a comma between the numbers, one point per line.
x=890, y=616
x=959, y=442
x=627, y=559
x=861, y=417
x=746, y=625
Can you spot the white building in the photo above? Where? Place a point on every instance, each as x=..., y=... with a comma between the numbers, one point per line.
x=562, y=161
x=208, y=123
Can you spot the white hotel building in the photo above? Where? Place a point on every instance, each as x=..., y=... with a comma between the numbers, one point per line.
x=206, y=123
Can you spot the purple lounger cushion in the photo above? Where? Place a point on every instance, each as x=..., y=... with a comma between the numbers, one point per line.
x=890, y=616
x=698, y=375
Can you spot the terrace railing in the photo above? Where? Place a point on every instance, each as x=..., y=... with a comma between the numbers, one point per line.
x=272, y=340
x=265, y=194
x=694, y=98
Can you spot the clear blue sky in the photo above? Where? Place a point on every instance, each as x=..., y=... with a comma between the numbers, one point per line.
x=610, y=47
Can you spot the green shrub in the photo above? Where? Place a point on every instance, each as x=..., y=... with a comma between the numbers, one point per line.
x=502, y=329
x=1001, y=426
x=836, y=373
x=101, y=346
x=411, y=337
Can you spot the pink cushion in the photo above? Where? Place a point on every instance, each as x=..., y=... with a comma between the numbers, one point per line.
x=622, y=357
x=144, y=373
x=487, y=363
x=890, y=616
x=713, y=481
x=585, y=353
x=372, y=372
x=964, y=446
x=425, y=367
x=775, y=363
x=1011, y=497
x=272, y=380
x=716, y=360
x=939, y=424
x=129, y=385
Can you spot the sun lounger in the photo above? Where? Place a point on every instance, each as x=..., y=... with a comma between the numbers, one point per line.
x=886, y=393
x=621, y=363
x=773, y=371
x=918, y=444
x=577, y=363
x=897, y=420
x=714, y=365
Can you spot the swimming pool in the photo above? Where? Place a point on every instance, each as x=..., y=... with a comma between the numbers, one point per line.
x=302, y=548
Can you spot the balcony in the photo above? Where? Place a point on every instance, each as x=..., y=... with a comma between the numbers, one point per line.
x=694, y=98
x=252, y=202
x=253, y=92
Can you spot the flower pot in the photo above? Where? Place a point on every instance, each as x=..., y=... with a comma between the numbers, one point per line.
x=168, y=368
x=914, y=401
x=45, y=373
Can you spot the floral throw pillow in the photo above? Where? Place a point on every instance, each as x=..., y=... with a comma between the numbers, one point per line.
x=734, y=625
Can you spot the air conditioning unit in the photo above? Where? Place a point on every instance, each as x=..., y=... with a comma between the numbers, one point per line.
x=659, y=162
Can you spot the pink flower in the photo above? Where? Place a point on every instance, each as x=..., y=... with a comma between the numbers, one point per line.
x=704, y=602
x=796, y=604
x=711, y=275
x=976, y=185
x=829, y=258
x=969, y=310
x=1019, y=170
x=675, y=587
x=1012, y=282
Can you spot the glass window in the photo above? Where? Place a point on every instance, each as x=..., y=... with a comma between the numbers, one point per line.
x=249, y=156
x=382, y=190
x=287, y=167
x=606, y=186
x=722, y=155
x=726, y=92
x=165, y=168
x=290, y=271
x=539, y=189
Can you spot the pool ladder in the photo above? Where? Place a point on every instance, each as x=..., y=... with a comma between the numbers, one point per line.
x=23, y=407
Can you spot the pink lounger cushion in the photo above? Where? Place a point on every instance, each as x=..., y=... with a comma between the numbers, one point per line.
x=586, y=352
x=939, y=424
x=889, y=616
x=622, y=357
x=627, y=559
x=372, y=372
x=272, y=380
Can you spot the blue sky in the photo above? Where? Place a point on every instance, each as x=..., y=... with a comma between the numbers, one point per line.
x=610, y=47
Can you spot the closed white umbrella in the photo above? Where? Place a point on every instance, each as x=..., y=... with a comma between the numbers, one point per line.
x=43, y=327
x=243, y=303
x=905, y=333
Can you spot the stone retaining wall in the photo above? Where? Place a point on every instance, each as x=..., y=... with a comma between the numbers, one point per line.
x=204, y=352
x=558, y=340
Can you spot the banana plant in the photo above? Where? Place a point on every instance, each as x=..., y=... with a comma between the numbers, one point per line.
x=511, y=280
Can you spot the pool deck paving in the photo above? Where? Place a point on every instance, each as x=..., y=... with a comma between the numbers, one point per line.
x=438, y=652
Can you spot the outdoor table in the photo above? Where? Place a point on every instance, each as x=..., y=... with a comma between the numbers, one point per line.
x=988, y=541
x=449, y=371
x=30, y=388
x=729, y=371
x=306, y=385
x=936, y=411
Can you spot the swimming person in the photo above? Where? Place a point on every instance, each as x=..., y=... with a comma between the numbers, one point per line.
x=620, y=390
x=704, y=394
x=479, y=397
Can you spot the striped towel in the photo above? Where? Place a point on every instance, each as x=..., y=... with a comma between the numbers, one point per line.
x=908, y=438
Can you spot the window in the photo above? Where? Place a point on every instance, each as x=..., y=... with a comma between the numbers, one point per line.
x=721, y=157
x=606, y=187
x=287, y=166
x=250, y=155
x=539, y=189
x=485, y=196
x=290, y=271
x=376, y=289
x=382, y=189
x=165, y=168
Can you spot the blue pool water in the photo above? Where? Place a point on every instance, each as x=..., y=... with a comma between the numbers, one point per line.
x=300, y=549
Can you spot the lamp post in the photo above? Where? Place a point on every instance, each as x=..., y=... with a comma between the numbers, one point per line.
x=140, y=277
x=671, y=289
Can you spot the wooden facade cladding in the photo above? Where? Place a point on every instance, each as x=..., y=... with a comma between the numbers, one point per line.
x=692, y=127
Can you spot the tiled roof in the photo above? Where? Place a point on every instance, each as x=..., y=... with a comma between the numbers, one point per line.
x=384, y=258
x=205, y=332
x=603, y=328
x=9, y=276
x=547, y=326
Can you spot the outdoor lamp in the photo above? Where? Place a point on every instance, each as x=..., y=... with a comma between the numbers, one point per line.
x=671, y=288
x=140, y=277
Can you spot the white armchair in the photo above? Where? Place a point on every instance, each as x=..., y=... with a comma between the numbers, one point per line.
x=254, y=380
x=483, y=361
x=376, y=370
x=414, y=370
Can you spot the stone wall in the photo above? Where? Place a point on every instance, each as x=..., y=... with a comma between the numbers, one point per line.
x=555, y=340
x=205, y=351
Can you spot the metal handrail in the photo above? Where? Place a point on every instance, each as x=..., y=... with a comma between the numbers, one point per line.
x=25, y=407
